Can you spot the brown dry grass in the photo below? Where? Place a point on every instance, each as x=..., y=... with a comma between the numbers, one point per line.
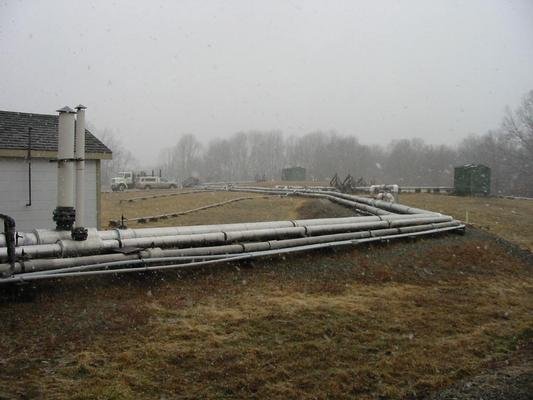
x=381, y=321
x=259, y=209
x=510, y=219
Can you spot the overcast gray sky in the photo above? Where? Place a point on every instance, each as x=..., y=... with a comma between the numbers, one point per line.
x=382, y=70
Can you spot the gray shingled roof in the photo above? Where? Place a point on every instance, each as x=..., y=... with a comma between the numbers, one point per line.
x=14, y=133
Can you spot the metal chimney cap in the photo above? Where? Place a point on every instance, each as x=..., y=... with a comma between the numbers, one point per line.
x=80, y=107
x=66, y=109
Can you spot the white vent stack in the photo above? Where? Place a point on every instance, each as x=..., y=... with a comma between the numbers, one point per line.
x=80, y=166
x=64, y=214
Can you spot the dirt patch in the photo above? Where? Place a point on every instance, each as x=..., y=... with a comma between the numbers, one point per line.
x=322, y=209
x=511, y=379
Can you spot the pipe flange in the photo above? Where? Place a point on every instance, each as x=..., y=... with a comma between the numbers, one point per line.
x=64, y=218
x=79, y=234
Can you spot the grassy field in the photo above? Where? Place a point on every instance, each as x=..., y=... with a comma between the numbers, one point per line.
x=510, y=219
x=399, y=320
x=260, y=209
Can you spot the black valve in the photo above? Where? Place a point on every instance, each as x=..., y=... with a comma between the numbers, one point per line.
x=64, y=218
x=79, y=234
x=10, y=233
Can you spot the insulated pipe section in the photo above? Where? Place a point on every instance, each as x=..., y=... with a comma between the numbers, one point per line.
x=366, y=205
x=65, y=154
x=379, y=204
x=46, y=264
x=385, y=205
x=101, y=269
x=62, y=248
x=95, y=245
x=375, y=204
x=47, y=236
x=268, y=248
x=80, y=166
x=64, y=214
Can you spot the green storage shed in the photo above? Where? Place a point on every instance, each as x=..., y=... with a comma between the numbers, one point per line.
x=293, y=174
x=472, y=180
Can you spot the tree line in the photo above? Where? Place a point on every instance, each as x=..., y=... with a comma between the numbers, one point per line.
x=507, y=150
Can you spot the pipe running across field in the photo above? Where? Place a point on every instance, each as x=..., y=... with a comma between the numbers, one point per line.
x=363, y=205
x=217, y=234
x=371, y=204
x=45, y=253
x=281, y=248
x=46, y=236
x=216, y=246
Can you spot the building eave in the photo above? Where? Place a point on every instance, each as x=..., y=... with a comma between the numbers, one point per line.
x=20, y=153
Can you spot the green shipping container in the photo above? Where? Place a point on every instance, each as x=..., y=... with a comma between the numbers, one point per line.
x=293, y=174
x=472, y=180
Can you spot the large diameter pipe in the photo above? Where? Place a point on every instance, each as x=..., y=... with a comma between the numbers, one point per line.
x=47, y=236
x=80, y=166
x=64, y=214
x=95, y=245
x=379, y=204
x=291, y=245
x=65, y=154
x=159, y=254
x=364, y=208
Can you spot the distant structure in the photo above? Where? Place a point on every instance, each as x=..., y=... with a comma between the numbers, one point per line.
x=29, y=170
x=190, y=182
x=293, y=174
x=472, y=180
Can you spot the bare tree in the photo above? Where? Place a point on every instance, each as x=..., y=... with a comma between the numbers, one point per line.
x=245, y=155
x=186, y=157
x=519, y=125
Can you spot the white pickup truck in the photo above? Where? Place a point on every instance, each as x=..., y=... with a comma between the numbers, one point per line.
x=154, y=182
x=129, y=180
x=123, y=181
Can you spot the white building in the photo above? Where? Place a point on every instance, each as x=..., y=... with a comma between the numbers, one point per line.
x=22, y=180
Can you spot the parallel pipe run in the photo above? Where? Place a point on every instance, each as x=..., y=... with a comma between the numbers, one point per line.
x=45, y=236
x=361, y=204
x=294, y=237
x=220, y=234
x=102, y=268
x=365, y=204
x=44, y=254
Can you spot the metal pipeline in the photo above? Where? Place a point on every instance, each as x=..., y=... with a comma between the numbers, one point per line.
x=100, y=269
x=218, y=243
x=94, y=243
x=362, y=204
x=377, y=204
x=296, y=235
x=332, y=196
x=64, y=214
x=46, y=236
x=80, y=166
